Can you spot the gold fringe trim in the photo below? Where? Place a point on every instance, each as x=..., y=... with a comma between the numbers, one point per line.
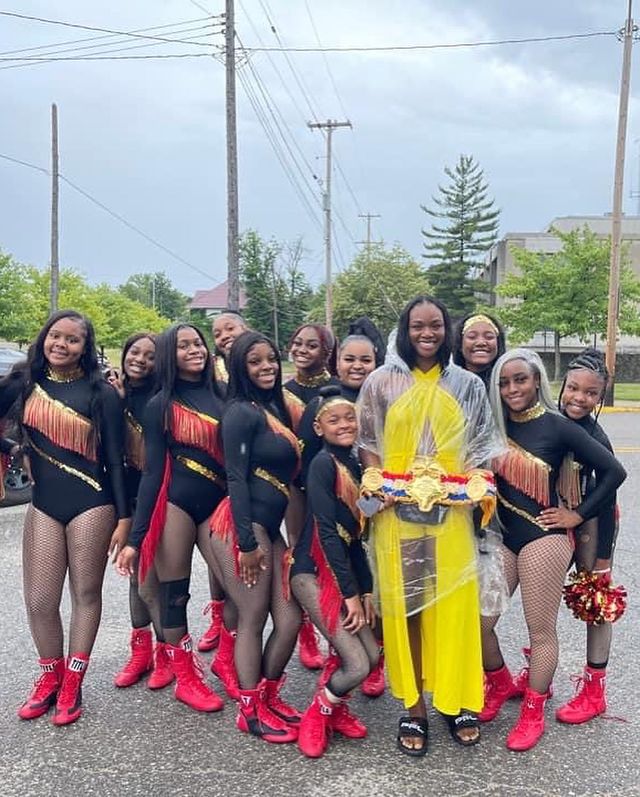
x=276, y=426
x=67, y=468
x=261, y=473
x=193, y=428
x=134, y=443
x=526, y=472
x=568, y=484
x=295, y=406
x=60, y=423
x=347, y=489
x=198, y=467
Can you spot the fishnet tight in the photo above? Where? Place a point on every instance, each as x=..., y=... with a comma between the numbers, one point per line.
x=598, y=636
x=49, y=550
x=254, y=605
x=144, y=605
x=540, y=569
x=358, y=652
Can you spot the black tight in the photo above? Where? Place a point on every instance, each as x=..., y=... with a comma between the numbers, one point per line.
x=598, y=636
x=358, y=652
x=254, y=605
x=540, y=569
x=49, y=550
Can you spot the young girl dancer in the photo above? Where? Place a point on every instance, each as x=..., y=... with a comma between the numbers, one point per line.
x=262, y=458
x=478, y=342
x=537, y=549
x=330, y=576
x=73, y=434
x=182, y=484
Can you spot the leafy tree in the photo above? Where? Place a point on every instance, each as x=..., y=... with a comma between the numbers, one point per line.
x=567, y=292
x=155, y=290
x=124, y=316
x=466, y=226
x=378, y=284
x=18, y=306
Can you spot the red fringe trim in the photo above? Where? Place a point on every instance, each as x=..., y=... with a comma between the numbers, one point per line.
x=526, y=475
x=156, y=525
x=276, y=426
x=295, y=406
x=62, y=425
x=330, y=595
x=287, y=564
x=221, y=524
x=347, y=490
x=192, y=428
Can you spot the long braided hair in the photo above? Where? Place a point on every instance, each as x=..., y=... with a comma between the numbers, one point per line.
x=588, y=359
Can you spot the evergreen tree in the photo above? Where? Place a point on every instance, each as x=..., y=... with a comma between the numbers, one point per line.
x=467, y=226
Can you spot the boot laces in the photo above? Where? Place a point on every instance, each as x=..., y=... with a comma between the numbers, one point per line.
x=208, y=608
x=70, y=685
x=43, y=684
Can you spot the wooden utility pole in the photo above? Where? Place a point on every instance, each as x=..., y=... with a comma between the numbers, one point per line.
x=233, y=259
x=367, y=243
x=330, y=125
x=55, y=185
x=616, y=216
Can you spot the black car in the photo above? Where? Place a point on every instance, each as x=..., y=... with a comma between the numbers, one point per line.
x=17, y=487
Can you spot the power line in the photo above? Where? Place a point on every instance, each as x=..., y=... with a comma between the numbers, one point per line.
x=112, y=213
x=447, y=46
x=113, y=57
x=326, y=62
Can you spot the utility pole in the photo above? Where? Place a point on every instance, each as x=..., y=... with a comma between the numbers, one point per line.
x=233, y=260
x=367, y=243
x=616, y=216
x=55, y=194
x=330, y=125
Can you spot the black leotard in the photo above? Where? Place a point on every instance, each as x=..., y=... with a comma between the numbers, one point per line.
x=135, y=404
x=336, y=519
x=197, y=482
x=306, y=392
x=261, y=464
x=548, y=438
x=66, y=481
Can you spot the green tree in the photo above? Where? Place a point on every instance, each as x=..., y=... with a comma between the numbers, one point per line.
x=124, y=316
x=466, y=226
x=155, y=290
x=18, y=306
x=567, y=292
x=294, y=289
x=378, y=284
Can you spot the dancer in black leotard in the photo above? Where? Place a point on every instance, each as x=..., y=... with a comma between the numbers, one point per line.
x=73, y=435
x=182, y=483
x=262, y=459
x=331, y=576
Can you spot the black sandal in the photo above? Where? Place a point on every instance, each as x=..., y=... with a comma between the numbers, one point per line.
x=413, y=728
x=463, y=720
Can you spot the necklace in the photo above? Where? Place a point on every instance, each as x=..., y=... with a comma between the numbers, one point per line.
x=528, y=415
x=313, y=381
x=64, y=376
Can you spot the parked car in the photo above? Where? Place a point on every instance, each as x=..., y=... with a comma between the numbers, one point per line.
x=17, y=487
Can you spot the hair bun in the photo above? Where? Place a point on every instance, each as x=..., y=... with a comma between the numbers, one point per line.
x=329, y=391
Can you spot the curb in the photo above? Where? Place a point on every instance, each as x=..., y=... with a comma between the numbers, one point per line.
x=615, y=410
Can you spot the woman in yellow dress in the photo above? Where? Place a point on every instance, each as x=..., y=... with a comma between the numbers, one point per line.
x=426, y=433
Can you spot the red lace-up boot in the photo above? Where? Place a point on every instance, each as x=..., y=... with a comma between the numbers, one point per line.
x=344, y=722
x=521, y=680
x=589, y=701
x=162, y=673
x=276, y=704
x=211, y=637
x=373, y=685
x=256, y=718
x=45, y=689
x=191, y=688
x=308, y=650
x=69, y=700
x=331, y=664
x=140, y=661
x=528, y=730
x=498, y=688
x=315, y=727
x=223, y=665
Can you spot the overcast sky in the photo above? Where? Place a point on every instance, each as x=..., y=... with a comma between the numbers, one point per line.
x=146, y=137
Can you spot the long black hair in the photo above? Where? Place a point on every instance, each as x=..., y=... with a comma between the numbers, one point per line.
x=166, y=370
x=588, y=359
x=458, y=357
x=241, y=388
x=404, y=346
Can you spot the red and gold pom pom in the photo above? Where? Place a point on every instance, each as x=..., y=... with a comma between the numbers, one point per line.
x=592, y=598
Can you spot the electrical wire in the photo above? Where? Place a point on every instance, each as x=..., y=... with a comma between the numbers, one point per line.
x=326, y=61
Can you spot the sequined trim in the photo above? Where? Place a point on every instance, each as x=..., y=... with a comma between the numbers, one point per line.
x=40, y=391
x=67, y=468
x=313, y=381
x=531, y=414
x=62, y=376
x=344, y=534
x=132, y=421
x=528, y=455
x=203, y=471
x=261, y=473
x=522, y=512
x=207, y=418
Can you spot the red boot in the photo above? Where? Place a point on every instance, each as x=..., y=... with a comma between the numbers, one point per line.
x=161, y=674
x=224, y=665
x=308, y=650
x=140, y=660
x=521, y=680
x=498, y=688
x=373, y=685
x=315, y=726
x=331, y=664
x=589, y=701
x=211, y=637
x=191, y=688
x=528, y=730
x=256, y=718
x=45, y=689
x=344, y=722
x=275, y=703
x=69, y=701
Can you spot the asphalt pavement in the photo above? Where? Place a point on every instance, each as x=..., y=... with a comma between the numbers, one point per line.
x=136, y=742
